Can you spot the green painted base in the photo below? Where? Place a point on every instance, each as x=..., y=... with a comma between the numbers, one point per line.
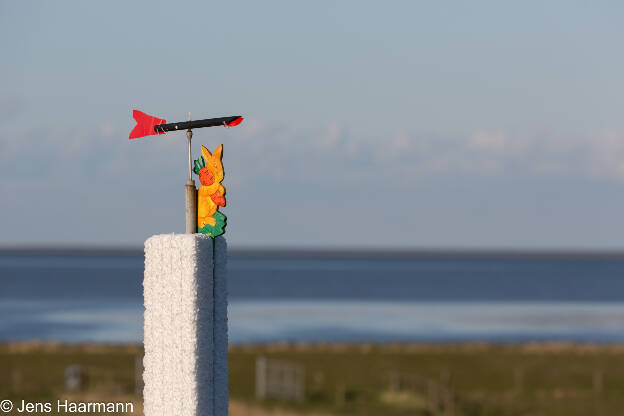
x=214, y=230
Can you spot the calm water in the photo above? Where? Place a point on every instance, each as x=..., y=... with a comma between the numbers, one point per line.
x=99, y=298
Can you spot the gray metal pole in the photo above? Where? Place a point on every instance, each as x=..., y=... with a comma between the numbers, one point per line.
x=191, y=192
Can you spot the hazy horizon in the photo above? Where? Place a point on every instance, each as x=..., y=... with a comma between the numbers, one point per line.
x=338, y=252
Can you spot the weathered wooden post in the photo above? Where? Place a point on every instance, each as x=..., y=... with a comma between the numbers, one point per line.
x=185, y=294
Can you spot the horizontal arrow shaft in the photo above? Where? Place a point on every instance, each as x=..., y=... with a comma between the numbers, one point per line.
x=185, y=125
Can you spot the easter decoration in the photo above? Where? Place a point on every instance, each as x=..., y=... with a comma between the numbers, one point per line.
x=211, y=194
x=202, y=207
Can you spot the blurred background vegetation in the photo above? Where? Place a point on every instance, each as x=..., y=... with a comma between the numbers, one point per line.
x=469, y=379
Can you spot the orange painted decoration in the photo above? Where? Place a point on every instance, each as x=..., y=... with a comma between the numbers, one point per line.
x=211, y=193
x=218, y=199
x=206, y=177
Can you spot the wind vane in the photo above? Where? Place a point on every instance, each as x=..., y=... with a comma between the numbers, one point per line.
x=208, y=167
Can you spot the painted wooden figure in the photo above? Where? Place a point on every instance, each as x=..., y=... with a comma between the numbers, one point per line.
x=211, y=194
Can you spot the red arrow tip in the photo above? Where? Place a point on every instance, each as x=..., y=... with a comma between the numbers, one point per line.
x=235, y=122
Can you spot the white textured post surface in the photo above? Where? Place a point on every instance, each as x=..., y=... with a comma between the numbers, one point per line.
x=185, y=326
x=220, y=328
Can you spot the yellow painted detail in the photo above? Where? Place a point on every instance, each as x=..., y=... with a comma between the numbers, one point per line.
x=209, y=192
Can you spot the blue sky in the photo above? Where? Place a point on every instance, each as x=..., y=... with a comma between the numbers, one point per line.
x=417, y=124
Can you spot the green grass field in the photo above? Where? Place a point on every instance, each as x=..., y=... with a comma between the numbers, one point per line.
x=359, y=379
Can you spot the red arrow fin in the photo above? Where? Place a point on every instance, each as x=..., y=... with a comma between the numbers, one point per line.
x=145, y=124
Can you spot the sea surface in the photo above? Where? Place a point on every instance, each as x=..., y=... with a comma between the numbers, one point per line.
x=97, y=297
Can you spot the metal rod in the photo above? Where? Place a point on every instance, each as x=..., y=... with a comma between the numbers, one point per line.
x=189, y=136
x=191, y=191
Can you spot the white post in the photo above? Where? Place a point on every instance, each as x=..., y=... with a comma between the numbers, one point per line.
x=185, y=326
x=221, y=391
x=261, y=376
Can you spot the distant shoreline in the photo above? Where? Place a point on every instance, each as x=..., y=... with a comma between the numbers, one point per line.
x=529, y=347
x=337, y=253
